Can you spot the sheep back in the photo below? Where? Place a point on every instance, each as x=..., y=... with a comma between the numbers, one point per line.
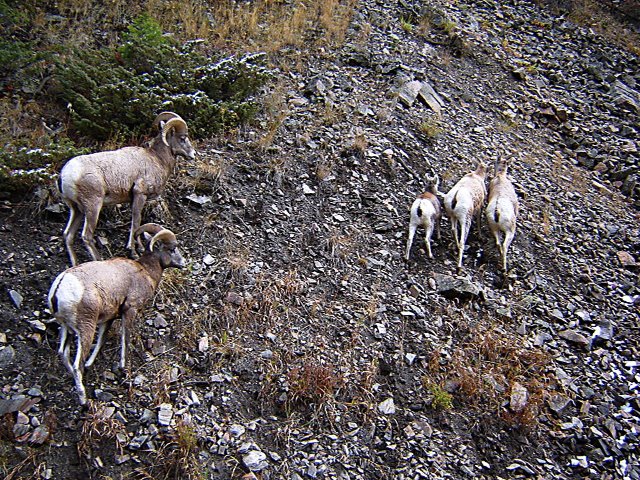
x=502, y=207
x=468, y=195
x=111, y=175
x=99, y=290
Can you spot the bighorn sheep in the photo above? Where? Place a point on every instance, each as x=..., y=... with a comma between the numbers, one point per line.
x=464, y=201
x=128, y=175
x=502, y=209
x=90, y=296
x=425, y=211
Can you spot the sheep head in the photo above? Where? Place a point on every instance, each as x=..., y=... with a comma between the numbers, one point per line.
x=481, y=170
x=174, y=135
x=501, y=166
x=433, y=183
x=162, y=243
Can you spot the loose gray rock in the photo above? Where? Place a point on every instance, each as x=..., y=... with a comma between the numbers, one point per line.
x=387, y=407
x=519, y=398
x=558, y=402
x=236, y=430
x=428, y=95
x=408, y=92
x=623, y=95
x=456, y=286
x=165, y=414
x=7, y=354
x=255, y=461
x=16, y=298
x=574, y=337
x=603, y=331
x=198, y=199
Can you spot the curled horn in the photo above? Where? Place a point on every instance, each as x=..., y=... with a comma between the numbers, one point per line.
x=178, y=123
x=151, y=228
x=163, y=117
x=163, y=235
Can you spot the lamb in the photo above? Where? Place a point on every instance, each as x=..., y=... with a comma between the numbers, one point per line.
x=128, y=175
x=425, y=211
x=464, y=201
x=502, y=210
x=90, y=296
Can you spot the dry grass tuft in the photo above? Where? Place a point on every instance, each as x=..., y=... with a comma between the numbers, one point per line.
x=432, y=128
x=160, y=386
x=236, y=255
x=209, y=176
x=360, y=143
x=276, y=111
x=311, y=384
x=481, y=370
x=270, y=25
x=269, y=301
x=324, y=169
x=172, y=285
x=99, y=425
x=342, y=245
x=177, y=458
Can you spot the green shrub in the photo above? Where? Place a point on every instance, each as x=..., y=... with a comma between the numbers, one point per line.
x=118, y=92
x=442, y=400
x=23, y=167
x=21, y=66
x=144, y=45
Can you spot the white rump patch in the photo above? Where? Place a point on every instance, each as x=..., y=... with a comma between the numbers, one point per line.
x=69, y=176
x=68, y=293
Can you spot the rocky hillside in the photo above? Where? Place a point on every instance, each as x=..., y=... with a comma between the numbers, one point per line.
x=299, y=343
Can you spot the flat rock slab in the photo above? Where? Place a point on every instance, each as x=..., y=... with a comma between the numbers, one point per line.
x=448, y=285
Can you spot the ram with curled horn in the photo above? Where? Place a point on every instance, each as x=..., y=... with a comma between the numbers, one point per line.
x=90, y=296
x=127, y=175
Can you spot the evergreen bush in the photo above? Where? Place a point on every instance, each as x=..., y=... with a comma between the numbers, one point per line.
x=22, y=166
x=117, y=92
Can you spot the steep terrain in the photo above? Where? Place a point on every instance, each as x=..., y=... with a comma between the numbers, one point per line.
x=299, y=343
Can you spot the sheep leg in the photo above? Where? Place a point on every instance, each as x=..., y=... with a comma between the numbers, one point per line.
x=90, y=223
x=63, y=338
x=65, y=357
x=454, y=229
x=70, y=231
x=438, y=228
x=99, y=342
x=77, y=372
x=139, y=198
x=465, y=225
x=125, y=324
x=427, y=238
x=412, y=232
x=496, y=235
x=508, y=238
